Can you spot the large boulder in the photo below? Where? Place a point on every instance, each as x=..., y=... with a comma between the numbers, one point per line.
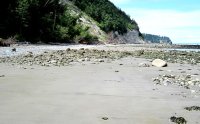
x=159, y=63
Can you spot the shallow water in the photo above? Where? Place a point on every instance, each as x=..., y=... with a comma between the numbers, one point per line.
x=188, y=50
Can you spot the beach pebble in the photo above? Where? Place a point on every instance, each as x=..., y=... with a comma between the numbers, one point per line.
x=87, y=59
x=14, y=50
x=2, y=75
x=143, y=65
x=166, y=82
x=159, y=63
x=193, y=91
x=105, y=118
x=100, y=60
x=178, y=120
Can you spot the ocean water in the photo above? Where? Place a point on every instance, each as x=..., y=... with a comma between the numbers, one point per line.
x=188, y=50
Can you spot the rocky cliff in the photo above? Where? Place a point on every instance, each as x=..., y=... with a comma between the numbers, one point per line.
x=150, y=38
x=102, y=24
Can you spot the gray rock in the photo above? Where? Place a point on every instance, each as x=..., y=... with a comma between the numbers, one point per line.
x=100, y=60
x=2, y=75
x=105, y=118
x=166, y=82
x=143, y=65
x=178, y=120
x=159, y=63
x=14, y=50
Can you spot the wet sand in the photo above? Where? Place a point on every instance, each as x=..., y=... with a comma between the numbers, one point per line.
x=86, y=92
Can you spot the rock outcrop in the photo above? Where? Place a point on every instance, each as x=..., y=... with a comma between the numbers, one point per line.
x=151, y=38
x=131, y=37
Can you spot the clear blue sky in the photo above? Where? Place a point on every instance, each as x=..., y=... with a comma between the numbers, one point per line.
x=178, y=19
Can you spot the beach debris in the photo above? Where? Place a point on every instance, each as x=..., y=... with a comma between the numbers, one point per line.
x=185, y=81
x=159, y=63
x=178, y=120
x=192, y=108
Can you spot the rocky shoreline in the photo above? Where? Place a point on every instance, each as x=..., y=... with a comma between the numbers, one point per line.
x=125, y=70
x=65, y=57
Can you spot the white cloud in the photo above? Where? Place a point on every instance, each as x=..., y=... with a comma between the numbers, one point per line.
x=179, y=26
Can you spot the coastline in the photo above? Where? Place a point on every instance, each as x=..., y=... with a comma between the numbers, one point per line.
x=103, y=84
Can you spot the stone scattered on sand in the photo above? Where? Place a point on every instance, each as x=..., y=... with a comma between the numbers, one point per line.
x=159, y=63
x=65, y=57
x=178, y=120
x=14, y=50
x=139, y=52
x=192, y=108
x=105, y=118
x=100, y=60
x=185, y=81
x=166, y=82
x=2, y=75
x=143, y=64
x=183, y=71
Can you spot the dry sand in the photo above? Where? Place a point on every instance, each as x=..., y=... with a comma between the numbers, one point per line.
x=84, y=93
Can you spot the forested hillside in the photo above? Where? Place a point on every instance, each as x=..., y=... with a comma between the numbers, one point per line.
x=53, y=21
x=109, y=17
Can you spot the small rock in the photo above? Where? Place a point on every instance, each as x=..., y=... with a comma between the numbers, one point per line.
x=139, y=52
x=105, y=118
x=190, y=82
x=192, y=108
x=68, y=49
x=169, y=70
x=53, y=61
x=183, y=71
x=193, y=91
x=159, y=63
x=116, y=71
x=81, y=60
x=101, y=60
x=144, y=65
x=178, y=120
x=2, y=75
x=14, y=49
x=87, y=59
x=166, y=82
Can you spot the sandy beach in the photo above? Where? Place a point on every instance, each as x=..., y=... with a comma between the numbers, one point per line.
x=116, y=91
